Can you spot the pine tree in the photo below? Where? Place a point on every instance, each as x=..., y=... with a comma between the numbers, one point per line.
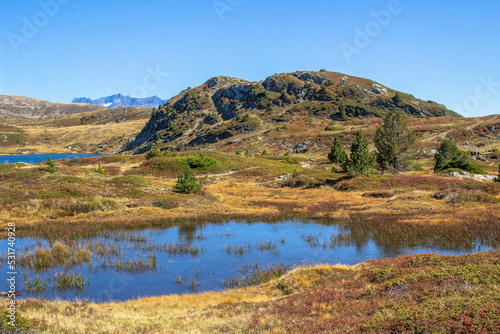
x=449, y=155
x=187, y=183
x=394, y=141
x=51, y=166
x=337, y=154
x=398, y=98
x=361, y=161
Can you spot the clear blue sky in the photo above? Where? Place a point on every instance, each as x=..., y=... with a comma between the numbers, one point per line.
x=435, y=50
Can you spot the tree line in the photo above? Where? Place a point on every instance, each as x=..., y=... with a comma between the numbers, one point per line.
x=394, y=142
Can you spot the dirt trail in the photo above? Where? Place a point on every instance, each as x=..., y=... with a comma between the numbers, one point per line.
x=222, y=174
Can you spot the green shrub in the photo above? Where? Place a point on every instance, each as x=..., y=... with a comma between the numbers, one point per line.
x=201, y=161
x=21, y=324
x=398, y=98
x=289, y=160
x=186, y=183
x=133, y=180
x=451, y=156
x=157, y=153
x=99, y=170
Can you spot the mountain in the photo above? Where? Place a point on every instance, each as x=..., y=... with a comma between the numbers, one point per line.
x=33, y=108
x=120, y=100
x=223, y=108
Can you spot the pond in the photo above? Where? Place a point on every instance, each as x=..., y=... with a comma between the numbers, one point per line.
x=35, y=158
x=124, y=265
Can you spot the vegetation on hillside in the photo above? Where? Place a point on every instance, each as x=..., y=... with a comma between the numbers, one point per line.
x=449, y=155
x=394, y=141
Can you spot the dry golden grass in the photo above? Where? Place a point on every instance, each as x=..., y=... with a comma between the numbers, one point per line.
x=61, y=137
x=231, y=196
x=193, y=313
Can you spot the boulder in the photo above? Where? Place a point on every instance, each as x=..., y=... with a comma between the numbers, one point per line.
x=378, y=89
x=300, y=147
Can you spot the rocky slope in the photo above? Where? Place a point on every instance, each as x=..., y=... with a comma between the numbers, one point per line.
x=12, y=105
x=120, y=100
x=224, y=107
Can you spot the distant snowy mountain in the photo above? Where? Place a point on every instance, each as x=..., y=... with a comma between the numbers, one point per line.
x=120, y=100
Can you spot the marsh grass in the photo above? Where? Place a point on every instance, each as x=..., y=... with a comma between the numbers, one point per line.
x=257, y=276
x=60, y=282
x=137, y=265
x=267, y=246
x=311, y=240
x=66, y=281
x=180, y=248
x=105, y=249
x=35, y=284
x=238, y=250
x=193, y=284
x=59, y=254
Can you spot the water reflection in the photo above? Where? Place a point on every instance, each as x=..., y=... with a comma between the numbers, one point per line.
x=188, y=233
x=198, y=258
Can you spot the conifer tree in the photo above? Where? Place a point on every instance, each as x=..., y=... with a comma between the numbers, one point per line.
x=337, y=154
x=394, y=140
x=361, y=160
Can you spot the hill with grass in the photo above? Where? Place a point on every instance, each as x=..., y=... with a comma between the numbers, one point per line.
x=101, y=131
x=223, y=107
x=28, y=107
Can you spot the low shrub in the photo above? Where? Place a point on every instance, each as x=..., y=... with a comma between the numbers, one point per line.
x=164, y=204
x=290, y=160
x=94, y=205
x=201, y=161
x=133, y=180
x=157, y=153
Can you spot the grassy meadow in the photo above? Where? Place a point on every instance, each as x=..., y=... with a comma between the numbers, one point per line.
x=423, y=293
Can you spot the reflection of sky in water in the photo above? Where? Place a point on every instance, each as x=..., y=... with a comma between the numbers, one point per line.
x=214, y=264
x=35, y=158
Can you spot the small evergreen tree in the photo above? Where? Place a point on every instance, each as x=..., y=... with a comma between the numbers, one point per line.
x=187, y=183
x=398, y=98
x=153, y=153
x=361, y=161
x=100, y=170
x=337, y=153
x=497, y=179
x=51, y=166
x=394, y=141
x=449, y=155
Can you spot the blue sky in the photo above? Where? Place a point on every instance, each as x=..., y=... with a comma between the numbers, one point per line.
x=445, y=51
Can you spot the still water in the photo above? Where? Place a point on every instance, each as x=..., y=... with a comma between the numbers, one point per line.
x=211, y=254
x=35, y=158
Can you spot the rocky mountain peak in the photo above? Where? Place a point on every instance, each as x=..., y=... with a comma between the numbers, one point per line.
x=224, y=107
